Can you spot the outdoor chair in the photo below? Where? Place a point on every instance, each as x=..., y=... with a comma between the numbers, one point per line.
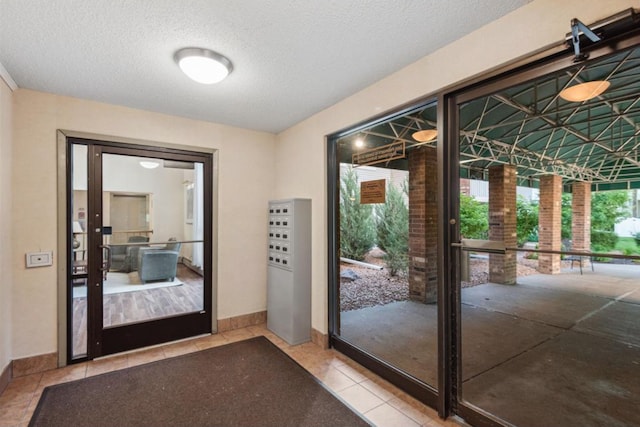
x=580, y=259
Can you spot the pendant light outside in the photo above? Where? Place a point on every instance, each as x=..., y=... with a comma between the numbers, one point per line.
x=203, y=65
x=584, y=91
x=425, y=135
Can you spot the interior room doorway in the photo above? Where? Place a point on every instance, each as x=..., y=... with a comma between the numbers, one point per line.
x=139, y=268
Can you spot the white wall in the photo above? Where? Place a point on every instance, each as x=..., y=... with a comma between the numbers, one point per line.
x=165, y=185
x=628, y=227
x=6, y=273
x=301, y=150
x=246, y=182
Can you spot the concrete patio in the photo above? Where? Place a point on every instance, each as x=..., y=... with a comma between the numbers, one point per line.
x=552, y=350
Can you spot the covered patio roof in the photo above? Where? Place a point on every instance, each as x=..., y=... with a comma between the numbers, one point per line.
x=531, y=126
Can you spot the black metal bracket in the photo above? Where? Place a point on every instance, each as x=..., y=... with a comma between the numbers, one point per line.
x=576, y=27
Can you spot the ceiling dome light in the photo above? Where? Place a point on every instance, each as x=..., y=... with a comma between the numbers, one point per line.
x=148, y=164
x=584, y=91
x=425, y=135
x=359, y=143
x=203, y=65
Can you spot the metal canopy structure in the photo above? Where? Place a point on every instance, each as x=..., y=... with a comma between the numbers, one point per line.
x=532, y=127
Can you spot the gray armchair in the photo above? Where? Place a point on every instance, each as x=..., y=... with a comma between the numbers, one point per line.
x=158, y=263
x=125, y=258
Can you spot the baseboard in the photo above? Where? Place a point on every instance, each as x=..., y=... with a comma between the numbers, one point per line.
x=239, y=322
x=34, y=364
x=320, y=339
x=5, y=377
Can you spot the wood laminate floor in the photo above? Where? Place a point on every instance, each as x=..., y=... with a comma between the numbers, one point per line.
x=128, y=307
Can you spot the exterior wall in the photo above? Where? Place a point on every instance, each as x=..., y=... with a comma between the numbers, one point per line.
x=502, y=222
x=423, y=225
x=550, y=223
x=301, y=149
x=6, y=284
x=243, y=193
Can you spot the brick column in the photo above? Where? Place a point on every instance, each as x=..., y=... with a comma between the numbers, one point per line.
x=423, y=225
x=581, y=218
x=502, y=222
x=550, y=223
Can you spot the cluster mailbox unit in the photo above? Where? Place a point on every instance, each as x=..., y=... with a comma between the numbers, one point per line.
x=289, y=270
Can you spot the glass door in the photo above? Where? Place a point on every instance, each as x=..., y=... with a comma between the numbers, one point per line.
x=386, y=265
x=140, y=274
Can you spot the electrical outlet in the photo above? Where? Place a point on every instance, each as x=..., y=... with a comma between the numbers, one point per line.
x=39, y=259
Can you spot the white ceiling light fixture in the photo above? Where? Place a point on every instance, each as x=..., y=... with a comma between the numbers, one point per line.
x=203, y=65
x=147, y=164
x=425, y=135
x=584, y=91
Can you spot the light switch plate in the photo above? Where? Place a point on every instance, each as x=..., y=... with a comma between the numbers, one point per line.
x=39, y=259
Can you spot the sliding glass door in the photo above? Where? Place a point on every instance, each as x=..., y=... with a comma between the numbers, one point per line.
x=386, y=272
x=140, y=258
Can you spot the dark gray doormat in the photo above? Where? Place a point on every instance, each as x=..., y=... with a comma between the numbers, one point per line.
x=247, y=383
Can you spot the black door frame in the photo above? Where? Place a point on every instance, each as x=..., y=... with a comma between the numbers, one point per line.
x=622, y=34
x=101, y=341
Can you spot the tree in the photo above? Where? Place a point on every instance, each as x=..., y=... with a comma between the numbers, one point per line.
x=607, y=208
x=474, y=218
x=393, y=229
x=357, y=226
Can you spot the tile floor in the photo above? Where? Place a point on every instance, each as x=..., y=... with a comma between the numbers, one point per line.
x=380, y=402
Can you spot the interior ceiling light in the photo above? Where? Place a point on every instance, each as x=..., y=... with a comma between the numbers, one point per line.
x=425, y=135
x=359, y=143
x=203, y=65
x=147, y=164
x=584, y=91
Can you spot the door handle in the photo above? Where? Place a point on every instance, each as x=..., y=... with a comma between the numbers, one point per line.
x=106, y=250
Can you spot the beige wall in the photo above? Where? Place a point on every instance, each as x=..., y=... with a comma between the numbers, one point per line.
x=301, y=149
x=247, y=163
x=245, y=185
x=6, y=109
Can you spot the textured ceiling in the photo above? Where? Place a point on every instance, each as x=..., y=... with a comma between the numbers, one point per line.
x=291, y=58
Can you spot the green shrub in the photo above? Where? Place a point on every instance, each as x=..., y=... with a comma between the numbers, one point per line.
x=393, y=229
x=527, y=221
x=627, y=246
x=357, y=226
x=604, y=239
x=598, y=248
x=566, y=215
x=474, y=218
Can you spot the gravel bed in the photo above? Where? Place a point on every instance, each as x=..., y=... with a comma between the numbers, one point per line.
x=376, y=287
